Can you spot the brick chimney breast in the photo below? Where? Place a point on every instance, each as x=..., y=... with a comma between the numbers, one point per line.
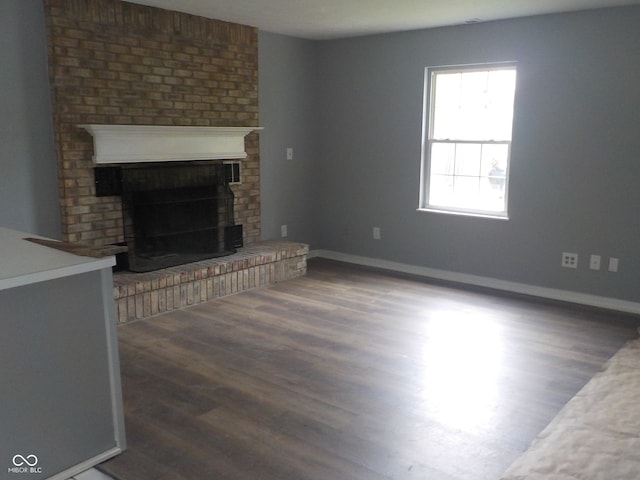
x=117, y=63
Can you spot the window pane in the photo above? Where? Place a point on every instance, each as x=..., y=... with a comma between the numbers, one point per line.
x=466, y=191
x=475, y=105
x=447, y=125
x=501, y=90
x=447, y=89
x=491, y=198
x=494, y=157
x=468, y=159
x=441, y=190
x=442, y=158
x=447, y=105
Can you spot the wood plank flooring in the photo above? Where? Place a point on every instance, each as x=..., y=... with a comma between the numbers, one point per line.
x=351, y=373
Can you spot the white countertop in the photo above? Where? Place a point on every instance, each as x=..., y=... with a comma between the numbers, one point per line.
x=23, y=262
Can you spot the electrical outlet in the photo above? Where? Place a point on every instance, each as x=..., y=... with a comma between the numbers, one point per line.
x=613, y=264
x=283, y=231
x=569, y=260
x=594, y=262
x=376, y=233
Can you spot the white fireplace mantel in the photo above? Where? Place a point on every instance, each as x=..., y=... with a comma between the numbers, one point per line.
x=150, y=143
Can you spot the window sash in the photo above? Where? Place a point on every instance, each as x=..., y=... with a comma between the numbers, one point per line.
x=486, y=190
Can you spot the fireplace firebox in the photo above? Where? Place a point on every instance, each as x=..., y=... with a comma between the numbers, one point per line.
x=177, y=213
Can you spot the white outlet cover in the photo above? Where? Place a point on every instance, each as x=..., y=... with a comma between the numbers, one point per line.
x=569, y=260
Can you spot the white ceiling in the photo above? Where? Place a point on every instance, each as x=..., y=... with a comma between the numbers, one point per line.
x=329, y=19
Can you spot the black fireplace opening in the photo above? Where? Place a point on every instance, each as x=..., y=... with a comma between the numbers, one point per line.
x=177, y=213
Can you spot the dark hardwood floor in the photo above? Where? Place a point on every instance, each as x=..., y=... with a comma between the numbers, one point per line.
x=351, y=373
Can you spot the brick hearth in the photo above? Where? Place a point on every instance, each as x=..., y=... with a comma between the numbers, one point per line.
x=141, y=295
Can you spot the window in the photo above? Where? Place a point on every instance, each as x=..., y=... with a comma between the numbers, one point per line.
x=466, y=151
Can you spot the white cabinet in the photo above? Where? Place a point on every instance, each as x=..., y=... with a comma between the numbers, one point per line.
x=60, y=394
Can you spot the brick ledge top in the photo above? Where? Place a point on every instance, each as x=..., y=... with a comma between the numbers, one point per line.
x=260, y=253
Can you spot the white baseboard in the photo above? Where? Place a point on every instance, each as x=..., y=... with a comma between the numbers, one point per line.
x=488, y=282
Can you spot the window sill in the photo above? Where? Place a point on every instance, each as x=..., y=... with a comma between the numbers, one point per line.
x=464, y=214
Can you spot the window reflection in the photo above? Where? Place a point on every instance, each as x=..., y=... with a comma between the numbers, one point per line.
x=462, y=364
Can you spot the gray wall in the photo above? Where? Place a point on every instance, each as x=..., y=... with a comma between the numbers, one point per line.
x=575, y=160
x=28, y=184
x=288, y=84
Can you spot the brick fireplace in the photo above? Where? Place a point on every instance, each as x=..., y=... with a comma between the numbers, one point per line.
x=118, y=63
x=114, y=63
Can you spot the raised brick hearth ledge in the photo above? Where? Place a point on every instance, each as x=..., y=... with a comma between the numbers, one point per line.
x=142, y=295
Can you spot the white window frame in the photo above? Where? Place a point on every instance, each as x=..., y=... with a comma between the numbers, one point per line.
x=428, y=140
